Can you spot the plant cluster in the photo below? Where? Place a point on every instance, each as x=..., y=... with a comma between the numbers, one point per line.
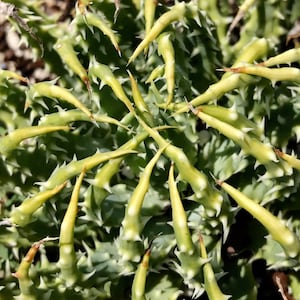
x=159, y=158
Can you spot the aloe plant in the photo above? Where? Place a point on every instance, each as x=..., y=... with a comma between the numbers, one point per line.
x=161, y=125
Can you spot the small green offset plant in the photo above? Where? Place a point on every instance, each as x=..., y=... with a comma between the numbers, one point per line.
x=159, y=159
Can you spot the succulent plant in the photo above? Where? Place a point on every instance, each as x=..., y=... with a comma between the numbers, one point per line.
x=158, y=159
